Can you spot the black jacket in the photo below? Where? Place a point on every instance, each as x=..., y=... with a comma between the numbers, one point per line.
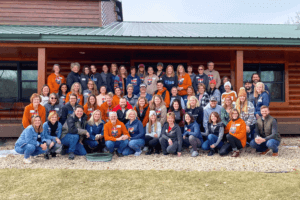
x=198, y=116
x=109, y=83
x=200, y=79
x=84, y=81
x=72, y=78
x=75, y=126
x=66, y=111
x=97, y=78
x=170, y=82
x=122, y=116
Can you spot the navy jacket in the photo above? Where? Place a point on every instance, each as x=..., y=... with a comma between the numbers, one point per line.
x=72, y=78
x=200, y=79
x=262, y=99
x=135, y=81
x=170, y=82
x=84, y=81
x=97, y=78
x=94, y=130
x=198, y=116
x=135, y=129
x=109, y=82
x=193, y=129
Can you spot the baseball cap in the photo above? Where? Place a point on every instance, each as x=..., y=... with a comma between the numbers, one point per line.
x=160, y=64
x=143, y=85
x=212, y=98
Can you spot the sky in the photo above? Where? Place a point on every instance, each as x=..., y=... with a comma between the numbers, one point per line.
x=214, y=11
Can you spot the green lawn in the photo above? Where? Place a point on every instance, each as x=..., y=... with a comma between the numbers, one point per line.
x=83, y=184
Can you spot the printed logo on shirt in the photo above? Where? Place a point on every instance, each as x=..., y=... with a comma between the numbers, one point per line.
x=189, y=130
x=158, y=112
x=167, y=82
x=200, y=80
x=149, y=81
x=78, y=100
x=90, y=109
x=260, y=99
x=210, y=77
x=116, y=84
x=233, y=128
x=57, y=109
x=94, y=79
x=103, y=99
x=134, y=81
x=114, y=132
x=83, y=79
x=118, y=126
x=58, y=80
x=181, y=81
x=142, y=78
x=34, y=113
x=131, y=130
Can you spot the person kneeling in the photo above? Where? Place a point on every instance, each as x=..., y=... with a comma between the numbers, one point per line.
x=30, y=141
x=115, y=135
x=237, y=135
x=266, y=133
x=153, y=132
x=171, y=137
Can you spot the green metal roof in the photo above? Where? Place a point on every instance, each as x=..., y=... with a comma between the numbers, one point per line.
x=159, y=33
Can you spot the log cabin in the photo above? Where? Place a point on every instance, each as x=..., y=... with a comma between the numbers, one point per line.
x=36, y=34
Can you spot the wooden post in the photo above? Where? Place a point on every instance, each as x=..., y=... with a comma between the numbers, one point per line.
x=232, y=69
x=286, y=76
x=42, y=63
x=239, y=69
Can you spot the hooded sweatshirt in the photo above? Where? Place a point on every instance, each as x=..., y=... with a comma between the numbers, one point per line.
x=105, y=109
x=170, y=82
x=133, y=100
x=175, y=134
x=135, y=81
x=54, y=82
x=194, y=130
x=184, y=81
x=29, y=112
x=112, y=132
x=237, y=129
x=207, y=111
x=164, y=93
x=135, y=129
x=153, y=131
x=262, y=99
x=200, y=79
x=88, y=111
x=151, y=84
x=213, y=75
x=198, y=115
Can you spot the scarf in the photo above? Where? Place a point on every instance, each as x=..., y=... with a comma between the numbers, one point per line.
x=53, y=128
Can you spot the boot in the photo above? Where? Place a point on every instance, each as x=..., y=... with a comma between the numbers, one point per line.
x=150, y=151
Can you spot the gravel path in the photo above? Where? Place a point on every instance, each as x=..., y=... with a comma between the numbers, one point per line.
x=288, y=160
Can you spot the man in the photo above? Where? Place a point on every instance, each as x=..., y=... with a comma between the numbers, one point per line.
x=122, y=109
x=107, y=106
x=96, y=77
x=266, y=133
x=190, y=72
x=163, y=92
x=69, y=108
x=73, y=76
x=71, y=132
x=209, y=108
x=143, y=93
x=249, y=91
x=160, y=73
x=213, y=74
x=200, y=78
x=115, y=135
x=255, y=79
x=134, y=80
x=107, y=79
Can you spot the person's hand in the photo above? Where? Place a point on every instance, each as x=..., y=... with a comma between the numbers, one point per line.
x=44, y=146
x=184, y=137
x=247, y=129
x=178, y=154
x=51, y=145
x=125, y=137
x=155, y=135
x=212, y=146
x=170, y=142
x=87, y=134
x=58, y=141
x=257, y=116
x=118, y=139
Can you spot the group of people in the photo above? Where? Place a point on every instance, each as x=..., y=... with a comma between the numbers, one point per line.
x=166, y=111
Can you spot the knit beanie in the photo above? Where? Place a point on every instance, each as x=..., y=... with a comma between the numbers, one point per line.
x=152, y=112
x=242, y=92
x=227, y=83
x=213, y=82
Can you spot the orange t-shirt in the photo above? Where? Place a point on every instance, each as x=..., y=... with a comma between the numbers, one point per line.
x=88, y=111
x=79, y=98
x=29, y=112
x=116, y=99
x=54, y=82
x=238, y=129
x=184, y=81
x=112, y=132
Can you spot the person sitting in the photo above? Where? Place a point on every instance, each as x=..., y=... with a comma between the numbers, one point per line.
x=91, y=89
x=174, y=95
x=200, y=78
x=101, y=97
x=53, y=105
x=229, y=92
x=62, y=93
x=158, y=105
x=226, y=110
x=55, y=79
x=107, y=78
x=261, y=98
x=107, y=107
x=96, y=77
x=143, y=93
x=115, y=135
x=30, y=142
x=133, y=80
x=95, y=126
x=170, y=79
x=153, y=131
x=52, y=132
x=192, y=135
x=179, y=113
x=184, y=81
x=45, y=92
x=163, y=92
x=211, y=107
x=141, y=72
x=142, y=109
x=121, y=109
x=68, y=109
x=202, y=96
x=90, y=106
x=34, y=108
x=73, y=76
x=137, y=134
x=196, y=111
x=214, y=132
x=266, y=133
x=249, y=91
x=237, y=136
x=73, y=128
x=76, y=89
x=214, y=92
x=85, y=77
x=151, y=81
x=171, y=136
x=130, y=97
x=213, y=74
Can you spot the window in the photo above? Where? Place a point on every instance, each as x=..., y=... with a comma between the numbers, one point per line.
x=271, y=75
x=18, y=80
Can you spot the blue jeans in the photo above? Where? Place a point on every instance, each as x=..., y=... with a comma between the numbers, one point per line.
x=211, y=139
x=91, y=143
x=72, y=141
x=121, y=145
x=270, y=144
x=29, y=150
x=134, y=146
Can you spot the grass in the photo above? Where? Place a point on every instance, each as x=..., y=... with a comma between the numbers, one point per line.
x=114, y=184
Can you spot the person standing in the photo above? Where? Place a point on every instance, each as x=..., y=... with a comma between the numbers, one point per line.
x=85, y=77
x=123, y=79
x=130, y=97
x=163, y=92
x=141, y=72
x=96, y=77
x=73, y=76
x=174, y=95
x=184, y=81
x=160, y=73
x=143, y=92
x=108, y=79
x=202, y=96
x=190, y=72
x=249, y=91
x=45, y=92
x=142, y=109
x=200, y=78
x=101, y=97
x=213, y=74
x=229, y=92
x=117, y=79
x=62, y=93
x=133, y=80
x=193, y=108
x=261, y=98
x=158, y=105
x=255, y=79
x=90, y=106
x=170, y=79
x=150, y=81
x=76, y=89
x=55, y=79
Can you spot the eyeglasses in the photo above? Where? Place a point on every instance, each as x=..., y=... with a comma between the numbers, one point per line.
x=53, y=98
x=200, y=69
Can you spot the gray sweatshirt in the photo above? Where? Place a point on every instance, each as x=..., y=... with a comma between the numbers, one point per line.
x=153, y=132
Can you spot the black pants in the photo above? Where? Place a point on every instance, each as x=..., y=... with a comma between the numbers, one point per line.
x=233, y=143
x=152, y=142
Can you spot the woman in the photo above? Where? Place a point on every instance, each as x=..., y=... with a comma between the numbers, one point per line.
x=246, y=110
x=213, y=91
x=90, y=106
x=153, y=131
x=202, y=96
x=237, y=136
x=91, y=89
x=171, y=137
x=73, y=76
x=101, y=96
x=117, y=80
x=158, y=105
x=142, y=109
x=123, y=76
x=174, y=95
x=55, y=79
x=130, y=97
x=62, y=94
x=53, y=105
x=192, y=135
x=142, y=72
x=179, y=113
x=214, y=133
x=193, y=108
x=45, y=92
x=170, y=80
x=134, y=80
x=151, y=81
x=85, y=77
x=190, y=92
x=76, y=89
x=160, y=73
x=229, y=92
x=137, y=134
x=117, y=96
x=95, y=126
x=261, y=97
x=223, y=81
x=52, y=132
x=33, y=109
x=225, y=111
x=30, y=142
x=184, y=81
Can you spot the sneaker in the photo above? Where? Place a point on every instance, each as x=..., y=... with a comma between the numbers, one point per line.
x=157, y=152
x=53, y=154
x=71, y=156
x=150, y=151
x=275, y=154
x=138, y=153
x=46, y=156
x=119, y=154
x=211, y=152
x=195, y=154
x=236, y=154
x=146, y=149
x=27, y=161
x=265, y=152
x=105, y=150
x=64, y=150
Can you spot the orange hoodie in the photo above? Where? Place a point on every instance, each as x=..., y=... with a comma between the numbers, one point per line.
x=240, y=132
x=79, y=98
x=116, y=99
x=105, y=109
x=112, y=132
x=184, y=81
x=146, y=118
x=29, y=112
x=166, y=98
x=54, y=82
x=89, y=111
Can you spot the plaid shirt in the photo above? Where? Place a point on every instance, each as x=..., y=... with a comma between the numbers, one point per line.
x=204, y=100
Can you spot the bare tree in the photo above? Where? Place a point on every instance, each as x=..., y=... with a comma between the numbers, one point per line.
x=294, y=20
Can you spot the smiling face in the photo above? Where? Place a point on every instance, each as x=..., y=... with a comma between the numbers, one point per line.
x=228, y=101
x=150, y=70
x=157, y=101
x=187, y=118
x=86, y=70
x=153, y=118
x=53, y=99
x=143, y=89
x=118, y=91
x=212, y=85
x=123, y=103
x=73, y=100
x=56, y=69
x=103, y=90
x=160, y=86
x=75, y=69
x=255, y=78
x=79, y=112
x=235, y=115
x=259, y=88
x=37, y=122
x=130, y=90
x=210, y=66
x=248, y=86
x=169, y=70
x=142, y=102
x=227, y=88
x=170, y=120
x=189, y=91
x=176, y=105
x=90, y=85
x=113, y=117
x=36, y=101
x=174, y=91
x=200, y=70
x=108, y=99
x=264, y=112
x=159, y=68
x=97, y=116
x=201, y=90
x=180, y=70
x=133, y=71
x=131, y=116
x=92, y=100
x=242, y=99
x=53, y=119
x=213, y=118
x=190, y=69
x=64, y=88
x=225, y=80
x=76, y=87
x=46, y=91
x=213, y=104
x=122, y=70
x=193, y=102
x=105, y=68
x=93, y=69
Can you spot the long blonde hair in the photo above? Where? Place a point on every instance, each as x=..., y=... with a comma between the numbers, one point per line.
x=178, y=70
x=263, y=88
x=37, y=129
x=153, y=106
x=188, y=104
x=80, y=88
x=150, y=124
x=242, y=92
x=172, y=74
x=95, y=90
x=92, y=121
